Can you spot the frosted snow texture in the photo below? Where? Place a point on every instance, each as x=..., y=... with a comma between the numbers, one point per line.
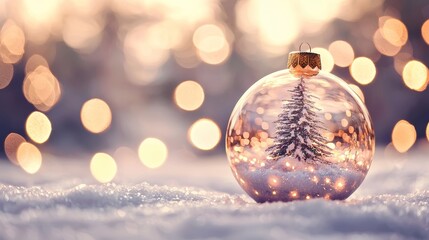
x=392, y=203
x=133, y=212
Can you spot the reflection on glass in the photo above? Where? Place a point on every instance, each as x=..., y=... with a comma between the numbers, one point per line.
x=326, y=154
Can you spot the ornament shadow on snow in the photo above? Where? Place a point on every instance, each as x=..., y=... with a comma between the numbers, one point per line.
x=300, y=133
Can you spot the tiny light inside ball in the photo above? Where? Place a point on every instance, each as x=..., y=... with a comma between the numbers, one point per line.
x=298, y=134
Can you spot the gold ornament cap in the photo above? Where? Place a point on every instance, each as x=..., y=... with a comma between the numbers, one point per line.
x=304, y=63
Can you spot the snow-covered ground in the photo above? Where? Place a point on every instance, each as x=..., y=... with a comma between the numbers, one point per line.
x=191, y=198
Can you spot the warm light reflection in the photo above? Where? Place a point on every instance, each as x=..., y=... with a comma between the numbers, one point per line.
x=425, y=31
x=394, y=31
x=403, y=136
x=363, y=70
x=166, y=35
x=41, y=88
x=12, y=40
x=358, y=91
x=103, y=167
x=41, y=19
x=40, y=13
x=152, y=152
x=38, y=127
x=400, y=60
x=342, y=52
x=340, y=184
x=326, y=58
x=273, y=181
x=217, y=56
x=269, y=21
x=95, y=115
x=35, y=61
x=11, y=145
x=189, y=95
x=209, y=38
x=344, y=122
x=82, y=34
x=204, y=134
x=415, y=75
x=427, y=131
x=384, y=46
x=6, y=74
x=293, y=194
x=29, y=157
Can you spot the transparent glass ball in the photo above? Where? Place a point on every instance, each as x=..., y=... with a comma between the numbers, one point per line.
x=294, y=137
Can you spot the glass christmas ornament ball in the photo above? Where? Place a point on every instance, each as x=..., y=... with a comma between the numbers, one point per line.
x=300, y=133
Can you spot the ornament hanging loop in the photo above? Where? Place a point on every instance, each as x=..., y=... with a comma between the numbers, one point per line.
x=308, y=44
x=304, y=63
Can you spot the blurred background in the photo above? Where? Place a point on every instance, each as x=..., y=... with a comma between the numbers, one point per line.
x=152, y=79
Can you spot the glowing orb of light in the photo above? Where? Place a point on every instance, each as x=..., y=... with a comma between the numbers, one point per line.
x=152, y=152
x=103, y=167
x=204, y=134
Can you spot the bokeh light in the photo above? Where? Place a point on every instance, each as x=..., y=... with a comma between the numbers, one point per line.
x=11, y=145
x=342, y=52
x=95, y=115
x=427, y=131
x=363, y=70
x=40, y=20
x=211, y=43
x=12, y=40
x=400, y=60
x=269, y=21
x=82, y=34
x=34, y=62
x=6, y=74
x=189, y=95
x=326, y=58
x=38, y=127
x=403, y=136
x=384, y=46
x=217, y=57
x=415, y=75
x=204, y=134
x=209, y=38
x=152, y=152
x=394, y=31
x=103, y=167
x=29, y=157
x=41, y=88
x=425, y=31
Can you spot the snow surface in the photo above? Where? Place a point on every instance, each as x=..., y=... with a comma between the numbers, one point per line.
x=199, y=199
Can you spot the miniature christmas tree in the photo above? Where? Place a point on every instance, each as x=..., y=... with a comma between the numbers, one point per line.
x=298, y=132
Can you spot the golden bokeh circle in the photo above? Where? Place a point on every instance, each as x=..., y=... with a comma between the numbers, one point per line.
x=152, y=152
x=96, y=115
x=103, y=167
